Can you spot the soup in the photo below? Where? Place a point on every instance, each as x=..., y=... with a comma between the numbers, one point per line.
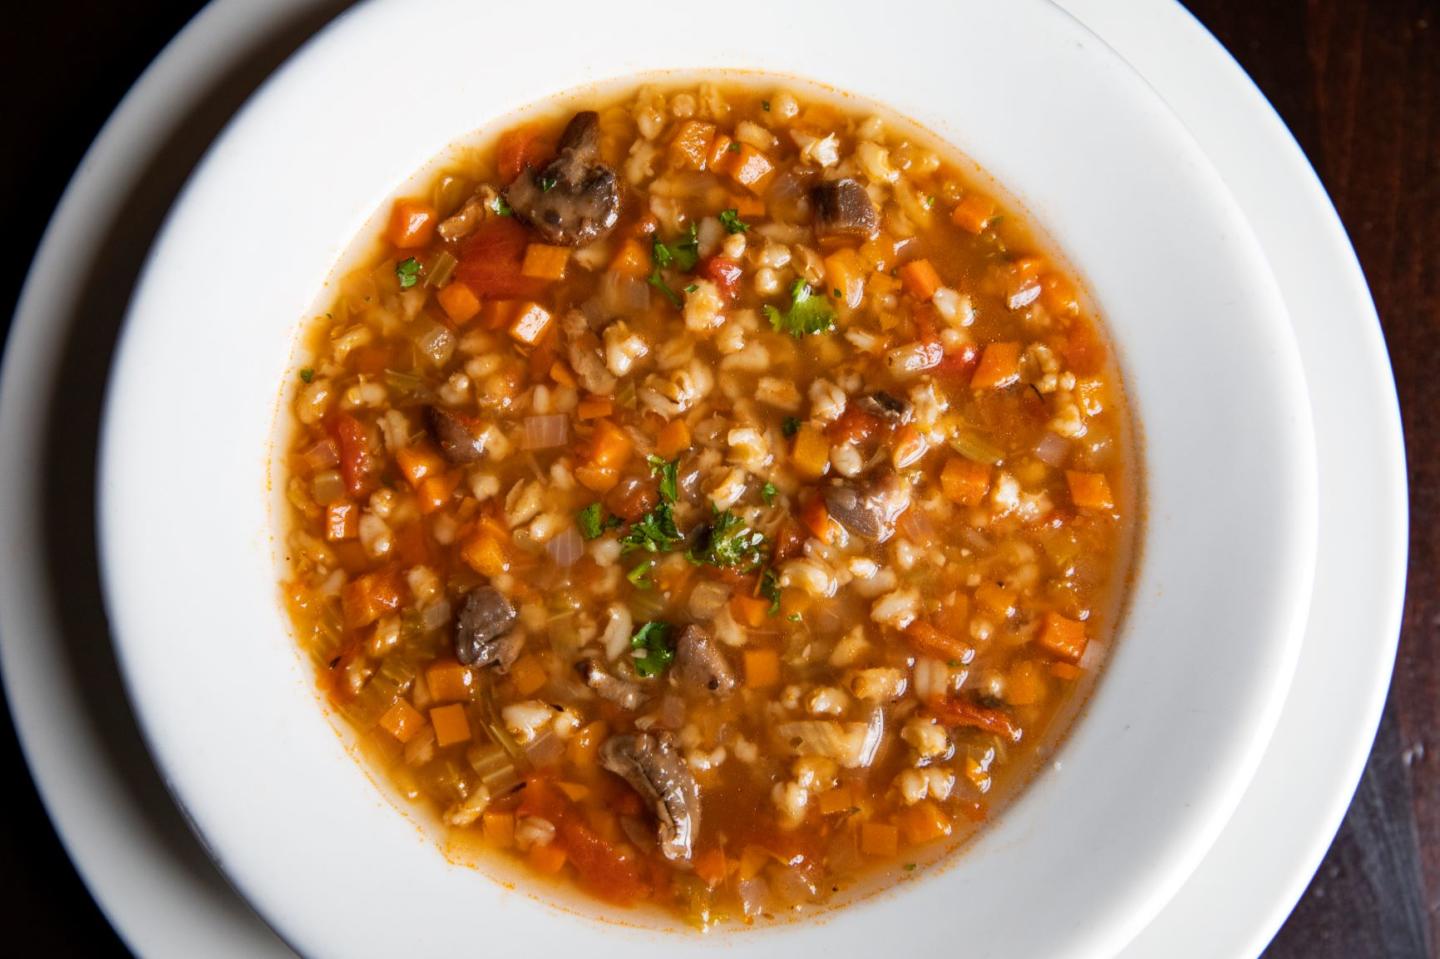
x=709, y=498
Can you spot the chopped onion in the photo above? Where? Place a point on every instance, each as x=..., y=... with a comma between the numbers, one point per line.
x=435, y=341
x=790, y=886
x=545, y=750
x=544, y=432
x=1094, y=652
x=436, y=615
x=707, y=599
x=327, y=487
x=322, y=455
x=623, y=293
x=752, y=893
x=1052, y=450
x=565, y=547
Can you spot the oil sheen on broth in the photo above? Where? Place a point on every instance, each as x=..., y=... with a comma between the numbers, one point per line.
x=707, y=496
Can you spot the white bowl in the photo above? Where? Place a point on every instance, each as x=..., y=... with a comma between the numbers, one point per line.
x=1153, y=768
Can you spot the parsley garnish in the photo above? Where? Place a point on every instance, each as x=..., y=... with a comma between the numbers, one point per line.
x=790, y=426
x=653, y=640
x=546, y=183
x=667, y=470
x=730, y=543
x=692, y=288
x=733, y=147
x=639, y=577
x=927, y=201
x=589, y=521
x=765, y=105
x=408, y=272
x=500, y=207
x=683, y=255
x=794, y=617
x=306, y=375
x=770, y=589
x=910, y=867
x=807, y=314
x=653, y=532
x=730, y=220
x=658, y=281
x=767, y=493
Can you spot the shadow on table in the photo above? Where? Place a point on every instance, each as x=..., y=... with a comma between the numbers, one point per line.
x=74, y=413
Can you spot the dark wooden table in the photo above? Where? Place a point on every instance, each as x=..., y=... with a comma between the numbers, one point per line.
x=1358, y=83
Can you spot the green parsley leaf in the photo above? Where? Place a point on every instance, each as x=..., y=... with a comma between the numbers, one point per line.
x=927, y=201
x=730, y=220
x=500, y=207
x=794, y=617
x=660, y=254
x=639, y=577
x=807, y=314
x=654, y=532
x=730, y=543
x=590, y=521
x=658, y=281
x=653, y=640
x=687, y=251
x=733, y=147
x=767, y=493
x=668, y=471
x=546, y=183
x=306, y=375
x=408, y=272
x=790, y=426
x=770, y=589
x=692, y=288
x=910, y=867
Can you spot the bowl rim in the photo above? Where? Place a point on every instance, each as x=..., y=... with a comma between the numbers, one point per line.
x=118, y=474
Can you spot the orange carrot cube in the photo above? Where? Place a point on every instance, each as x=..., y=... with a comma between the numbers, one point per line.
x=450, y=724
x=762, y=668
x=499, y=828
x=530, y=324
x=973, y=213
x=545, y=262
x=1089, y=490
x=965, y=482
x=920, y=279
x=459, y=302
x=342, y=521
x=690, y=147
x=402, y=721
x=673, y=439
x=999, y=367
x=412, y=224
x=449, y=681
x=528, y=674
x=1063, y=638
x=418, y=461
x=879, y=839
x=923, y=822
x=485, y=554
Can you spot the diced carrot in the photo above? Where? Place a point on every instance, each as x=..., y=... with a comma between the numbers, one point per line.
x=435, y=492
x=491, y=259
x=973, y=213
x=879, y=839
x=845, y=273
x=1062, y=637
x=752, y=860
x=932, y=642
x=583, y=749
x=996, y=599
x=1089, y=490
x=1084, y=350
x=810, y=452
x=794, y=601
x=412, y=224
x=815, y=517
x=1025, y=683
x=920, y=279
x=561, y=373
x=690, y=147
x=673, y=439
x=485, y=554
x=923, y=822
x=999, y=367
x=531, y=323
x=748, y=206
x=609, y=446
x=371, y=595
x=1066, y=671
x=598, y=479
x=594, y=407
x=459, y=302
x=545, y=262
x=749, y=610
x=418, y=461
x=839, y=799
x=518, y=148
x=342, y=521
x=358, y=464
x=720, y=152
x=953, y=711
x=748, y=167
x=575, y=792
x=528, y=674
x=402, y=721
x=710, y=866
x=632, y=259
x=1058, y=295
x=548, y=859
x=762, y=668
x=371, y=359
x=965, y=482
x=499, y=828
x=449, y=681
x=450, y=724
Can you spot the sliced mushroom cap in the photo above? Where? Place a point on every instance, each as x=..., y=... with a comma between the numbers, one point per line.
x=653, y=766
x=574, y=198
x=843, y=208
x=582, y=349
x=483, y=634
x=461, y=437
x=699, y=663
x=887, y=406
x=621, y=692
x=869, y=507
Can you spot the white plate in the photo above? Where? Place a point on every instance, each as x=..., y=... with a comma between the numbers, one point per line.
x=155, y=914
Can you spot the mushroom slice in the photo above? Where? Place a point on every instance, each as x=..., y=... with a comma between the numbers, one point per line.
x=461, y=437
x=621, y=692
x=483, y=634
x=574, y=199
x=843, y=208
x=699, y=663
x=869, y=508
x=652, y=765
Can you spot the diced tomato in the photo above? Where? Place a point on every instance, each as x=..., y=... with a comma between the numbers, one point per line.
x=854, y=426
x=358, y=465
x=723, y=272
x=491, y=260
x=953, y=711
x=600, y=865
x=958, y=363
x=518, y=148
x=542, y=798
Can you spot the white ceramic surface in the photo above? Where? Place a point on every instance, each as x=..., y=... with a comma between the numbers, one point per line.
x=1182, y=715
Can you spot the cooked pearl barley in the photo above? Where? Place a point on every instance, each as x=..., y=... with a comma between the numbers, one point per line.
x=827, y=701
x=313, y=401
x=364, y=396
x=704, y=306
x=815, y=578
x=784, y=106
x=827, y=401
x=527, y=720
x=879, y=685
x=846, y=459
x=623, y=348
x=875, y=161
x=926, y=737
x=953, y=307
x=734, y=246
x=897, y=609
x=618, y=625
x=767, y=281
x=781, y=394
x=727, y=489
x=375, y=536
x=523, y=502
x=533, y=831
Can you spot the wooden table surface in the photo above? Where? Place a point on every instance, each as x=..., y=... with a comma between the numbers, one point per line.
x=1359, y=84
